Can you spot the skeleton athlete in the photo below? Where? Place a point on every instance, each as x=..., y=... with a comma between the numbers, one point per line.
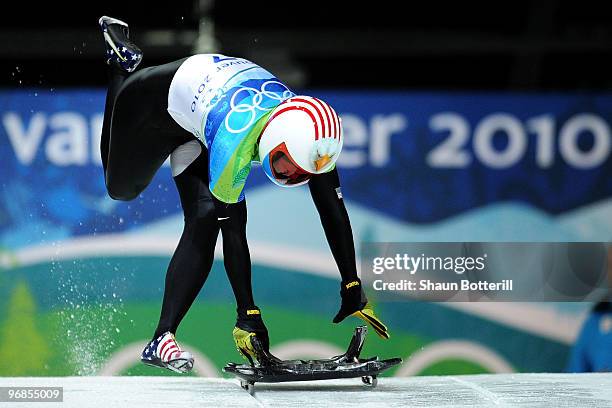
x=214, y=115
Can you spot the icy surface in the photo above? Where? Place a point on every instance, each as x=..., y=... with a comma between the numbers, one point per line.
x=512, y=390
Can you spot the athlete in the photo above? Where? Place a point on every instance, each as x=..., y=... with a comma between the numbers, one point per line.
x=214, y=115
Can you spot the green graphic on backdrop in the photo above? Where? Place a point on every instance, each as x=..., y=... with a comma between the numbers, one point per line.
x=96, y=307
x=23, y=349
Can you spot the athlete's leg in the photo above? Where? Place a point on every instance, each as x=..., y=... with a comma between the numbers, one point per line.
x=236, y=256
x=237, y=260
x=122, y=58
x=138, y=132
x=116, y=77
x=193, y=258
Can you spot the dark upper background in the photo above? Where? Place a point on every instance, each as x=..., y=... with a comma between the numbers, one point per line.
x=495, y=45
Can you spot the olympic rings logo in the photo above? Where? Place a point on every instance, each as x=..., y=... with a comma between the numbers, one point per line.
x=256, y=97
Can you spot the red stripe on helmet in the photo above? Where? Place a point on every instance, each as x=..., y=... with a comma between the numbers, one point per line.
x=339, y=125
x=317, y=109
x=329, y=113
x=334, y=117
x=292, y=108
x=269, y=119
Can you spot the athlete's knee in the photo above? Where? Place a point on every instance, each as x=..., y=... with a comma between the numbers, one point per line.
x=121, y=191
x=232, y=217
x=201, y=225
x=201, y=214
x=121, y=197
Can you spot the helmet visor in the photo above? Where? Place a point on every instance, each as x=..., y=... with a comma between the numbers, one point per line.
x=284, y=168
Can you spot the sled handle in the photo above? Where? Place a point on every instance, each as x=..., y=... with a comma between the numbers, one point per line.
x=356, y=344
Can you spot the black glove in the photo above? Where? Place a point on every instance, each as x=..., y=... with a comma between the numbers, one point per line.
x=355, y=303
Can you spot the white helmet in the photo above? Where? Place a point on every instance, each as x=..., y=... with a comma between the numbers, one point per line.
x=302, y=137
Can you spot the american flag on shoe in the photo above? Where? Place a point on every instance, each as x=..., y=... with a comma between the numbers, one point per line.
x=165, y=352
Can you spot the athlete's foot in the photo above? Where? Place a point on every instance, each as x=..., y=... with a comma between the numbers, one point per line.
x=120, y=50
x=165, y=352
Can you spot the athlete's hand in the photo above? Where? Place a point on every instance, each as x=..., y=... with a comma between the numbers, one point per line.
x=355, y=303
x=367, y=315
x=243, y=338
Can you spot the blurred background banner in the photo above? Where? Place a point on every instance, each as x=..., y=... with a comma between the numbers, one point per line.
x=463, y=122
x=81, y=275
x=420, y=158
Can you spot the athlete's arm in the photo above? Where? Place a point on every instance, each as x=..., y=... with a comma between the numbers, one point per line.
x=325, y=191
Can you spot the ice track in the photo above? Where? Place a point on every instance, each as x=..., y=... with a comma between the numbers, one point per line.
x=499, y=390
